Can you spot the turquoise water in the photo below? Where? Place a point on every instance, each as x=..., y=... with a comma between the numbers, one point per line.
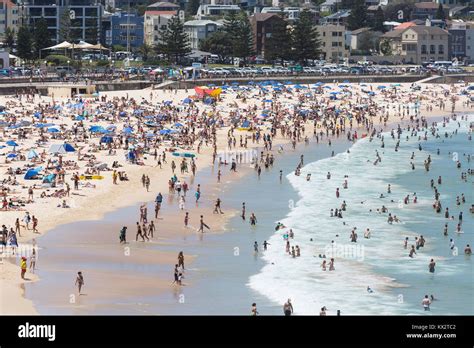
x=398, y=282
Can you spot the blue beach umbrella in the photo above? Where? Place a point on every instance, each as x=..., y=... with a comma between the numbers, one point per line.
x=12, y=155
x=381, y=87
x=53, y=130
x=187, y=100
x=11, y=143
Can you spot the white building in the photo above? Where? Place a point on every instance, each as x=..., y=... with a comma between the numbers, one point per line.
x=153, y=22
x=207, y=10
x=198, y=30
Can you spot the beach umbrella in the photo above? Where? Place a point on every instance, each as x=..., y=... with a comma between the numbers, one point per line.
x=106, y=139
x=268, y=101
x=165, y=131
x=37, y=114
x=53, y=130
x=79, y=118
x=327, y=87
x=187, y=100
x=122, y=114
x=12, y=155
x=11, y=143
x=96, y=129
x=177, y=124
x=127, y=130
x=381, y=87
x=168, y=102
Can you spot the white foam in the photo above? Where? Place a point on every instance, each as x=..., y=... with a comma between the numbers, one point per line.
x=302, y=279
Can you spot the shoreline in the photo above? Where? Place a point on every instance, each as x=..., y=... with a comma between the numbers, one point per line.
x=125, y=198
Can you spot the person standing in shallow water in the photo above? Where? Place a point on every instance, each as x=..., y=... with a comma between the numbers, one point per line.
x=288, y=308
x=79, y=281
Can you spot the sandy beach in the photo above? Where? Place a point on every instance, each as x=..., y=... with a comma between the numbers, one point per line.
x=96, y=198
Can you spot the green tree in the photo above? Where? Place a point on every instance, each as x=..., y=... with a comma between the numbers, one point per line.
x=174, y=41
x=346, y=4
x=440, y=14
x=218, y=43
x=24, y=43
x=278, y=46
x=379, y=18
x=146, y=51
x=386, y=48
x=65, y=26
x=92, y=35
x=358, y=17
x=41, y=37
x=231, y=25
x=305, y=39
x=192, y=7
x=369, y=42
x=9, y=40
x=243, y=42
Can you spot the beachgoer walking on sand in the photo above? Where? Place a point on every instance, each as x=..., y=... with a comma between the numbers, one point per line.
x=202, y=224
x=123, y=235
x=139, y=233
x=79, y=281
x=33, y=260
x=217, y=207
x=23, y=267
x=181, y=260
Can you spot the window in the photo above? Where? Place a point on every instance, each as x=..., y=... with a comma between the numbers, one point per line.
x=324, y=33
x=423, y=49
x=155, y=28
x=334, y=44
x=441, y=49
x=432, y=49
x=334, y=33
x=340, y=33
x=432, y=37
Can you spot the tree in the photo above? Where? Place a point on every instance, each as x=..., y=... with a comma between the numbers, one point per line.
x=278, y=46
x=243, y=37
x=386, y=48
x=440, y=14
x=231, y=25
x=192, y=7
x=305, y=39
x=369, y=42
x=358, y=17
x=346, y=4
x=146, y=50
x=41, y=37
x=218, y=43
x=24, y=43
x=9, y=40
x=65, y=26
x=379, y=18
x=174, y=41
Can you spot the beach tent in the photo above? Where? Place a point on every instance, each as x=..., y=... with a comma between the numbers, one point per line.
x=57, y=149
x=69, y=147
x=32, y=154
x=31, y=173
x=49, y=178
x=97, y=129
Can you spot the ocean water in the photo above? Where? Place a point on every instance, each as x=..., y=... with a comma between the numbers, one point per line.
x=398, y=282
